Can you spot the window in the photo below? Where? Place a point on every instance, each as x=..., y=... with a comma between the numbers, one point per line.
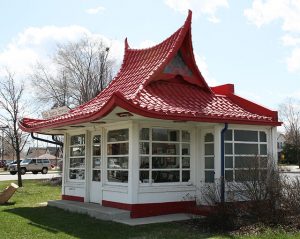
x=209, y=158
x=77, y=157
x=244, y=149
x=164, y=155
x=96, y=158
x=117, y=155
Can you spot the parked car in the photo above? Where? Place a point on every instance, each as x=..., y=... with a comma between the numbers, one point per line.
x=32, y=165
x=2, y=163
x=7, y=166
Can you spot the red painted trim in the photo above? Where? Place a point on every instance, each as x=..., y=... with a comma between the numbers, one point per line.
x=72, y=198
x=119, y=205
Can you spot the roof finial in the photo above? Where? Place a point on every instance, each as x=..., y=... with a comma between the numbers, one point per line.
x=126, y=44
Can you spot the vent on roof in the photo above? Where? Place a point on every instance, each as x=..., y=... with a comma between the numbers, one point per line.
x=77, y=126
x=98, y=122
x=124, y=114
x=60, y=129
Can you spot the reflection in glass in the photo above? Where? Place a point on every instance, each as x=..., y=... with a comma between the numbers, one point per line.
x=262, y=136
x=159, y=134
x=209, y=149
x=97, y=139
x=185, y=176
x=77, y=163
x=117, y=162
x=165, y=148
x=165, y=176
x=76, y=174
x=185, y=149
x=209, y=176
x=117, y=149
x=185, y=136
x=144, y=162
x=96, y=163
x=144, y=148
x=96, y=150
x=117, y=135
x=117, y=176
x=77, y=151
x=144, y=176
x=77, y=139
x=96, y=175
x=229, y=175
x=144, y=134
x=165, y=162
x=246, y=135
x=209, y=137
x=240, y=148
x=209, y=163
x=185, y=162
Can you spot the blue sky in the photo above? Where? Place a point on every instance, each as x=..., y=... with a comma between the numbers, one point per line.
x=252, y=44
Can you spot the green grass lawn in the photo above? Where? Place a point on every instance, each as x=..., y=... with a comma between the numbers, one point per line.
x=25, y=217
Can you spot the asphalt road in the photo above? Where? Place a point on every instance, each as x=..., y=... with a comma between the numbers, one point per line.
x=5, y=176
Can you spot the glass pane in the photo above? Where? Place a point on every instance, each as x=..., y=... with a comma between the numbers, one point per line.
x=246, y=175
x=144, y=134
x=77, y=163
x=165, y=149
x=117, y=163
x=228, y=148
x=228, y=162
x=117, y=149
x=229, y=175
x=185, y=176
x=144, y=148
x=77, y=139
x=165, y=176
x=96, y=175
x=209, y=163
x=97, y=150
x=117, y=176
x=144, y=162
x=144, y=176
x=246, y=162
x=246, y=148
x=263, y=162
x=246, y=135
x=209, y=137
x=209, y=149
x=186, y=136
x=77, y=151
x=76, y=174
x=262, y=136
x=97, y=139
x=117, y=135
x=228, y=135
x=185, y=162
x=185, y=149
x=96, y=163
x=209, y=176
x=165, y=134
x=263, y=149
x=165, y=162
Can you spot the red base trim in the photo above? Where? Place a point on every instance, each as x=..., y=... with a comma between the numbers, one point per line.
x=72, y=198
x=153, y=209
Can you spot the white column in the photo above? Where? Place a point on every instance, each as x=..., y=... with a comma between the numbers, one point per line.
x=273, y=144
x=64, y=164
x=87, y=166
x=217, y=136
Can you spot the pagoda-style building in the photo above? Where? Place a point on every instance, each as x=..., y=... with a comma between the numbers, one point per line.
x=158, y=132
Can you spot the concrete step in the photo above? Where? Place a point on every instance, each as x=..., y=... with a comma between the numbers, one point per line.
x=91, y=209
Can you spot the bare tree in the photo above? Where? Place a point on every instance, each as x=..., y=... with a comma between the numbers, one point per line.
x=12, y=109
x=290, y=115
x=82, y=71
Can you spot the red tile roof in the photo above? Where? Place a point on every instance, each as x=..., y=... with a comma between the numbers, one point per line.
x=142, y=86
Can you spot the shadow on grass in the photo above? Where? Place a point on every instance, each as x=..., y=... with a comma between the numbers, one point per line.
x=8, y=204
x=54, y=221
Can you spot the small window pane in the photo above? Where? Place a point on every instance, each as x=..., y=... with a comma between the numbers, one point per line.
x=262, y=136
x=228, y=135
x=228, y=148
x=77, y=151
x=228, y=162
x=165, y=162
x=209, y=149
x=97, y=139
x=229, y=175
x=185, y=162
x=117, y=149
x=97, y=150
x=209, y=137
x=76, y=174
x=96, y=175
x=117, y=135
x=246, y=135
x=185, y=149
x=246, y=175
x=246, y=162
x=245, y=148
x=77, y=139
x=165, y=176
x=186, y=136
x=117, y=176
x=96, y=163
x=209, y=176
x=77, y=163
x=209, y=163
x=165, y=149
x=185, y=175
x=144, y=176
x=117, y=163
x=144, y=148
x=159, y=134
x=144, y=134
x=263, y=149
x=144, y=162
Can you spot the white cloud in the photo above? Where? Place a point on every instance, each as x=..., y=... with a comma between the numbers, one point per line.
x=203, y=67
x=95, y=10
x=288, y=13
x=207, y=8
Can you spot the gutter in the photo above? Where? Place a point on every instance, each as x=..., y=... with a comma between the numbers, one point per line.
x=223, y=162
x=55, y=141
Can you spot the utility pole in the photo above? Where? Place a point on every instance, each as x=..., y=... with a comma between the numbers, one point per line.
x=2, y=141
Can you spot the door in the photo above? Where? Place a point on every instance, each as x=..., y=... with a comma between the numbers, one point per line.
x=96, y=169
